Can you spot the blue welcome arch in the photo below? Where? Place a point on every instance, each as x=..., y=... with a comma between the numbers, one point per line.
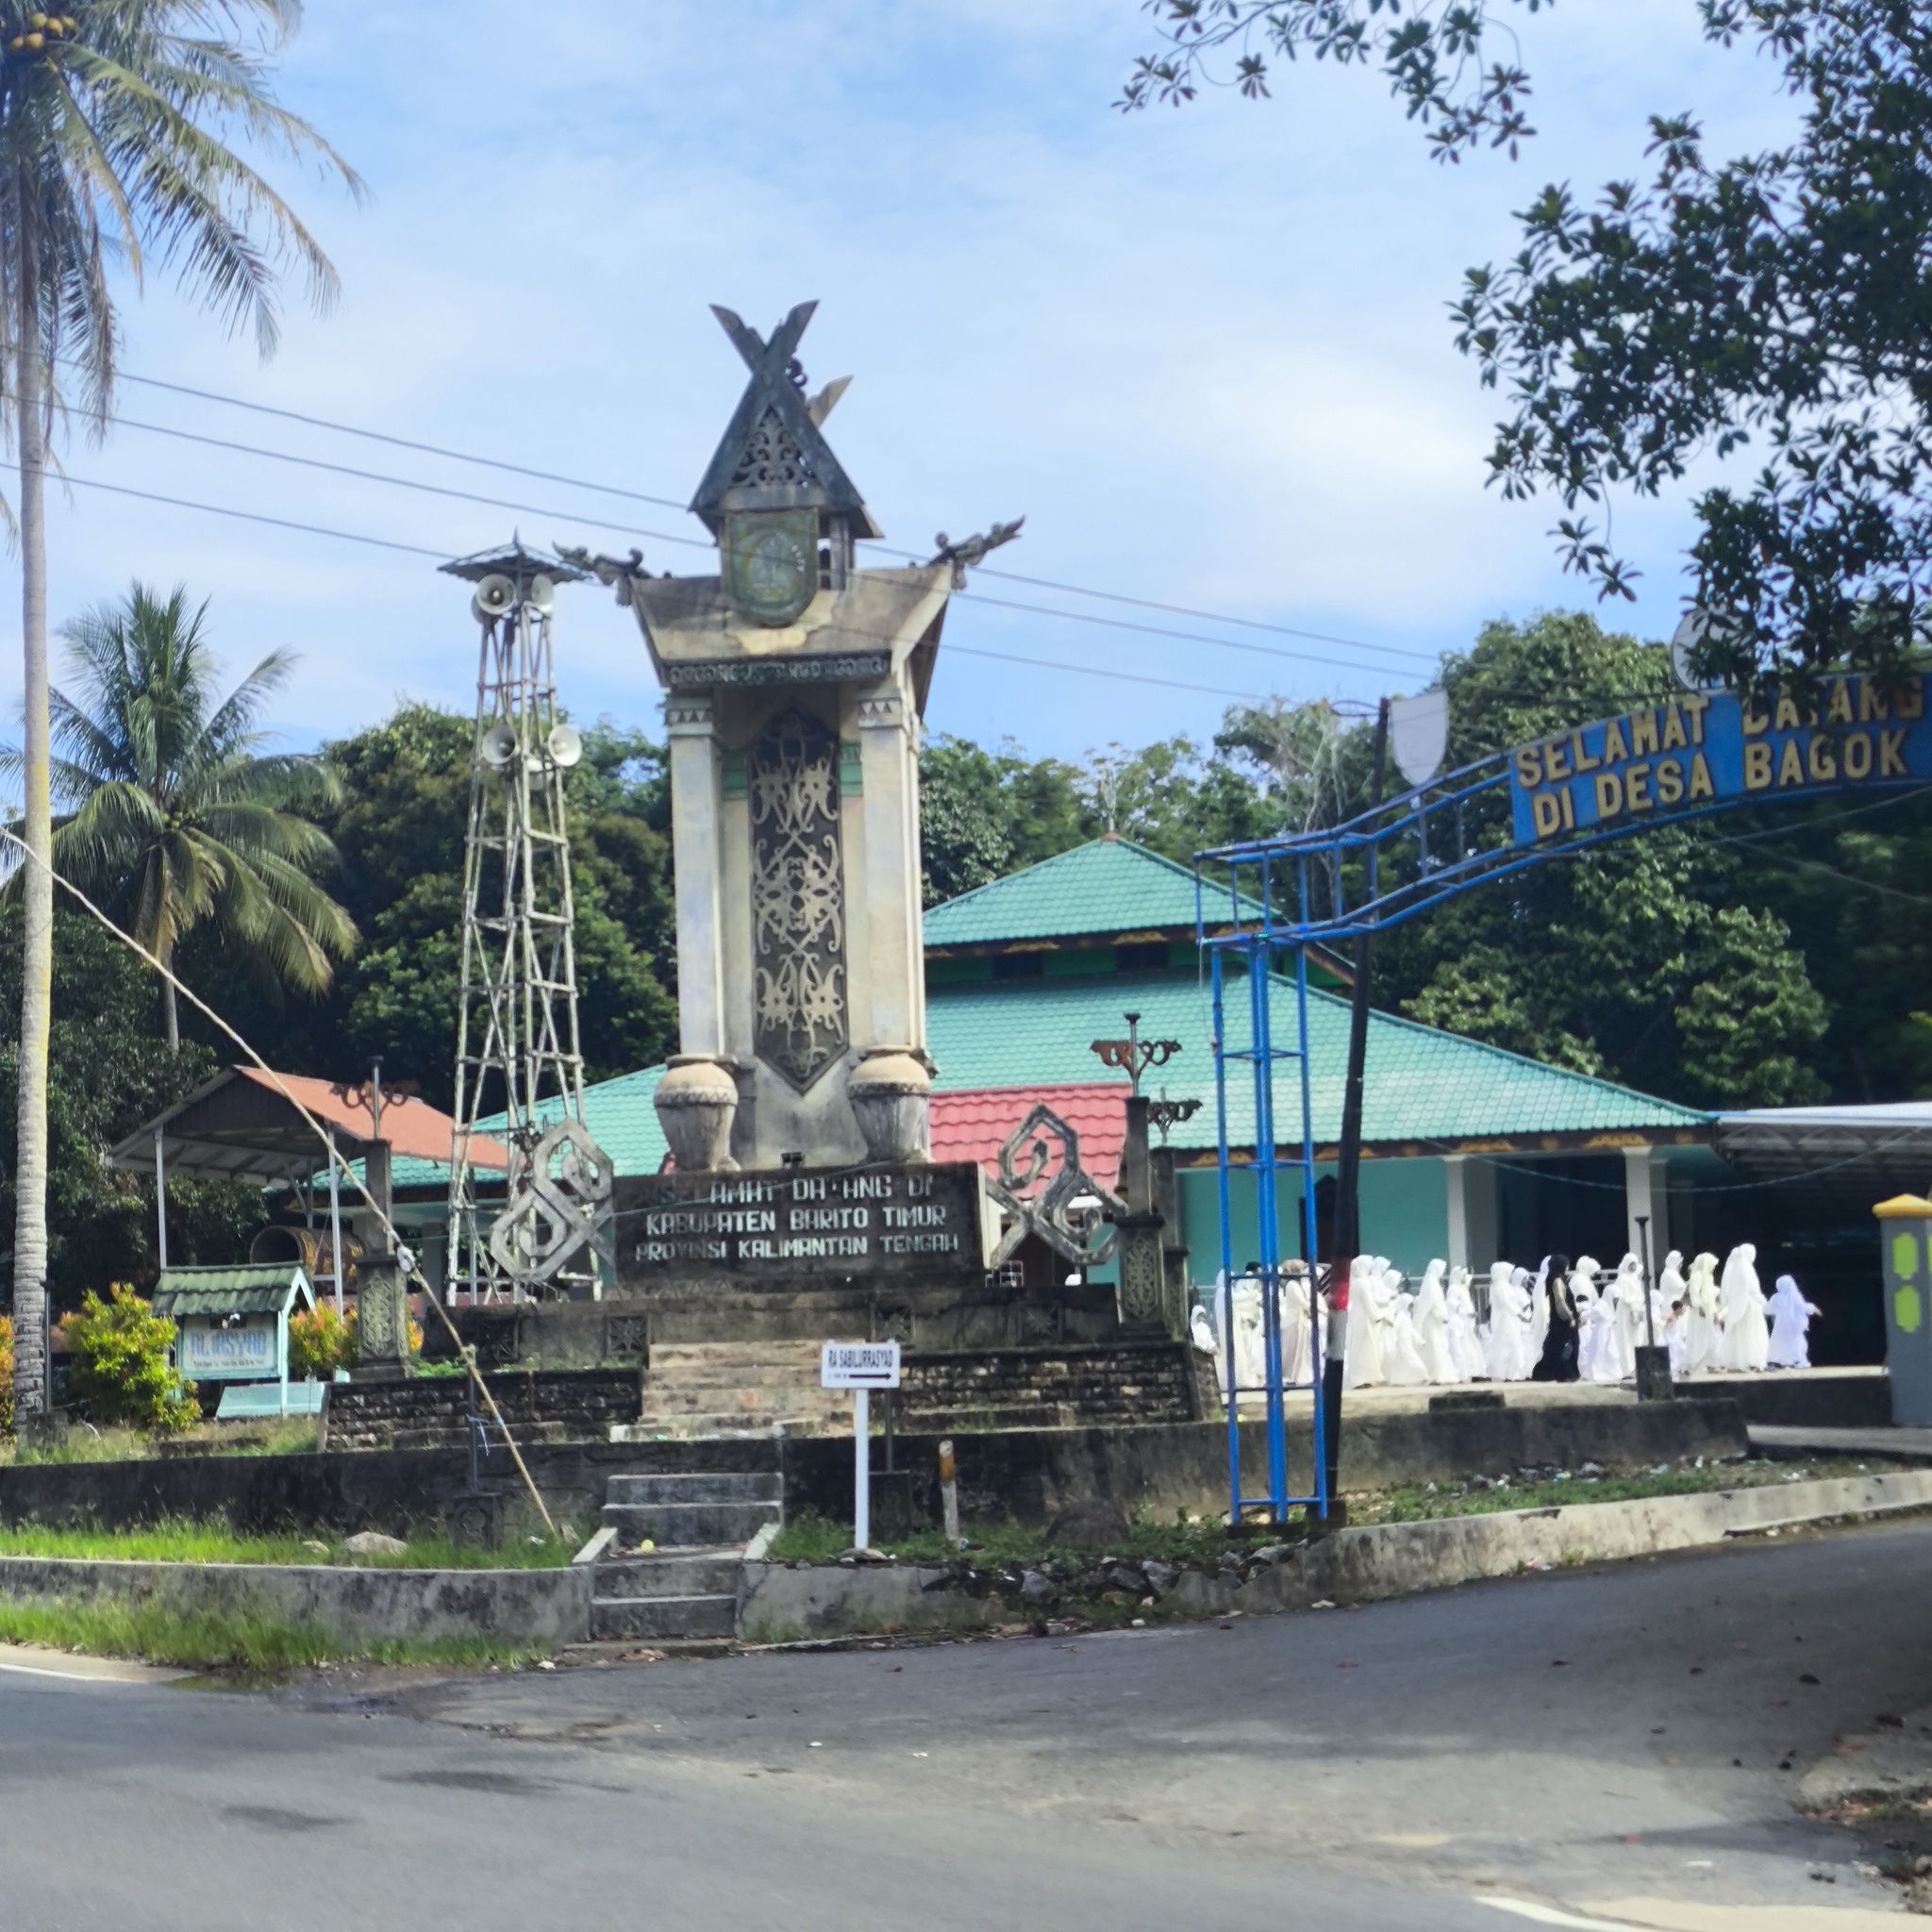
x=1259, y=905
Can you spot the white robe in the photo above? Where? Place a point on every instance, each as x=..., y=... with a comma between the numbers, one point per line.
x=1465, y=1340
x=1510, y=1356
x=1401, y=1356
x=1746, y=1346
x=1791, y=1321
x=1432, y=1326
x=1626, y=1298
x=1703, y=1317
x=1250, y=1364
x=1363, y=1363
x=1672, y=1311
x=1291, y=1300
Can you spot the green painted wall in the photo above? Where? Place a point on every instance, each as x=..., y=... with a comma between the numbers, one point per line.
x=1405, y=1214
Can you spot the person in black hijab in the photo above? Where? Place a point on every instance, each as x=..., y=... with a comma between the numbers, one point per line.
x=1558, y=1362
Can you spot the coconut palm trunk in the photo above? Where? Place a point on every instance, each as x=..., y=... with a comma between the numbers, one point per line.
x=36, y=888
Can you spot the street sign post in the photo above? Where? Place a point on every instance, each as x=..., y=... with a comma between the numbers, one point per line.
x=861, y=1367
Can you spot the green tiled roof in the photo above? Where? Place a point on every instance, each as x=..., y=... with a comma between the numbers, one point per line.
x=1108, y=886
x=257, y=1289
x=1422, y=1085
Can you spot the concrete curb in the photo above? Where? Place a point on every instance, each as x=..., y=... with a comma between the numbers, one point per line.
x=1354, y=1566
x=542, y=1607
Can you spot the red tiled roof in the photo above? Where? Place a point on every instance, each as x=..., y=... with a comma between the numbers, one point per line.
x=410, y=1126
x=972, y=1123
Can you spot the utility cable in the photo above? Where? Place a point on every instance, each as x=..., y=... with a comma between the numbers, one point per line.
x=671, y=503
x=467, y=1353
x=250, y=516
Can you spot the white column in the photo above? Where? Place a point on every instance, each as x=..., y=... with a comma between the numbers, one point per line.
x=161, y=1199
x=1456, y=1184
x=889, y=890
x=695, y=854
x=1639, y=1198
x=335, y=1223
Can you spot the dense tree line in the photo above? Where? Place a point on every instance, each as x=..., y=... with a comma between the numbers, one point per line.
x=1763, y=957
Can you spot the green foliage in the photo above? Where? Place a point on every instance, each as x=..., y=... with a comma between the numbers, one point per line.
x=175, y=816
x=321, y=1341
x=109, y=1071
x=121, y=1368
x=1769, y=307
x=1633, y=963
x=213, y=1539
x=399, y=830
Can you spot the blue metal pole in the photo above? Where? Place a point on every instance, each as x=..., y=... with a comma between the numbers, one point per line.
x=1260, y=961
x=1223, y=1310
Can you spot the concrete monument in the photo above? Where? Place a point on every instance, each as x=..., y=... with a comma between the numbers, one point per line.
x=794, y=685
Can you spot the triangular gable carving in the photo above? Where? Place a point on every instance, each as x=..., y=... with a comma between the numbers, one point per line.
x=773, y=455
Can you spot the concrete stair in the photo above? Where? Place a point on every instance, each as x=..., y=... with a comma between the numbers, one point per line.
x=689, y=1586
x=735, y=1388
x=685, y=1512
x=691, y=1593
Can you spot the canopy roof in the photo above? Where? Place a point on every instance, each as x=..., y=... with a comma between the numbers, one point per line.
x=1882, y=1147
x=257, y=1289
x=242, y=1126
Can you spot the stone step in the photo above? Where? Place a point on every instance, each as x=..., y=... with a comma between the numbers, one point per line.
x=686, y=1523
x=689, y=1353
x=664, y=1617
x=697, y=1573
x=722, y=1398
x=714, y=1428
x=724, y=1487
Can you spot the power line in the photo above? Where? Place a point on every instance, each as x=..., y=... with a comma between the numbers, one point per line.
x=249, y=516
x=670, y=503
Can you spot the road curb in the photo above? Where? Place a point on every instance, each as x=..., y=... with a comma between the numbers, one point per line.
x=815, y=1601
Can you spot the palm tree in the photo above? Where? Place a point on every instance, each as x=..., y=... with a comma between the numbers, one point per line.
x=175, y=816
x=113, y=126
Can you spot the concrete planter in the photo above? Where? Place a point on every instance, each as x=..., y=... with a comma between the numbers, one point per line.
x=696, y=1102
x=890, y=1093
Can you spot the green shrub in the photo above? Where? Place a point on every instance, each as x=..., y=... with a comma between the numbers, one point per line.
x=320, y=1342
x=120, y=1365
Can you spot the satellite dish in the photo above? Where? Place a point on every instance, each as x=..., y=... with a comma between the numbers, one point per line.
x=541, y=595
x=498, y=745
x=495, y=595
x=565, y=745
x=1696, y=625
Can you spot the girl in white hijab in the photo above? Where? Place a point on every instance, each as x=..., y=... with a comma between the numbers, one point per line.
x=1703, y=1317
x=1791, y=1321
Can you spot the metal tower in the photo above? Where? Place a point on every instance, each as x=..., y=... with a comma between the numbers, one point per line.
x=520, y=1068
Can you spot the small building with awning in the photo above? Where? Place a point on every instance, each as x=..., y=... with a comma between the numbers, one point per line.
x=281, y=1130
x=231, y=1324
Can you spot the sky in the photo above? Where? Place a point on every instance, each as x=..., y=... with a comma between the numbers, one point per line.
x=1206, y=353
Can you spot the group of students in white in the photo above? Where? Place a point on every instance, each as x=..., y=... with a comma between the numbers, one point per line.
x=1570, y=1320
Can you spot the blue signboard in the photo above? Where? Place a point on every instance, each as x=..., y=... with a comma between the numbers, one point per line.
x=1701, y=749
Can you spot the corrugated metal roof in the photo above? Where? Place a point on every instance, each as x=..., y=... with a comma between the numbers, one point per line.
x=972, y=1124
x=257, y=1289
x=1108, y=886
x=1421, y=1086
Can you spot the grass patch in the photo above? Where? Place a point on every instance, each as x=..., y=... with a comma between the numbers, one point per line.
x=291, y=1435
x=812, y=1538
x=181, y=1539
x=254, y=1643
x=1427, y=1500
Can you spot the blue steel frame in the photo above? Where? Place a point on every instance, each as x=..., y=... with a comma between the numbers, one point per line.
x=1256, y=934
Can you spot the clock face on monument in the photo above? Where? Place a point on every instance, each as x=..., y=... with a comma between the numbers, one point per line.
x=771, y=562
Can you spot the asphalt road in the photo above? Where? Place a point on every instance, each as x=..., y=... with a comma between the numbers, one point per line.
x=1575, y=1739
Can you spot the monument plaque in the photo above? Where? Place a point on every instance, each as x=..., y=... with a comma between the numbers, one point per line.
x=791, y=1227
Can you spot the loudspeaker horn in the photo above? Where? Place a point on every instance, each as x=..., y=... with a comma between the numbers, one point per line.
x=495, y=594
x=541, y=596
x=498, y=747
x=565, y=745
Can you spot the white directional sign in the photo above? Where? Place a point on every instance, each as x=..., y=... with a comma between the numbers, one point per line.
x=859, y=1365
